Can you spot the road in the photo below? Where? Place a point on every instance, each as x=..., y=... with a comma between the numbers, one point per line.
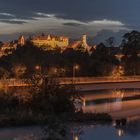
x=104, y=86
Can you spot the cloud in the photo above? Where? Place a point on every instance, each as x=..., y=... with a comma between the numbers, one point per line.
x=103, y=35
x=13, y=21
x=70, y=17
x=39, y=14
x=50, y=23
x=106, y=22
x=72, y=24
x=7, y=14
x=81, y=10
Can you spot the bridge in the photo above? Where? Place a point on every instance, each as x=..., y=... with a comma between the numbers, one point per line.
x=96, y=80
x=87, y=83
x=117, y=109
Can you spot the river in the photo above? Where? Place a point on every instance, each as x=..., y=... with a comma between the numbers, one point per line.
x=120, y=103
x=78, y=132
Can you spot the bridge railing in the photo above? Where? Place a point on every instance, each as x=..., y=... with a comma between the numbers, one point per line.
x=82, y=80
x=71, y=80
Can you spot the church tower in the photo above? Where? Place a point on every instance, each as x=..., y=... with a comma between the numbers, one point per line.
x=84, y=42
x=21, y=40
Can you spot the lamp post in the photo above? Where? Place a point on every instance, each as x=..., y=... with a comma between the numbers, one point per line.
x=75, y=67
x=38, y=68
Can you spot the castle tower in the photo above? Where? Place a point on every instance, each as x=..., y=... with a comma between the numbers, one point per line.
x=21, y=40
x=84, y=42
x=49, y=37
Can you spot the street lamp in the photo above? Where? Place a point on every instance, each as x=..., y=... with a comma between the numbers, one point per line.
x=75, y=67
x=37, y=67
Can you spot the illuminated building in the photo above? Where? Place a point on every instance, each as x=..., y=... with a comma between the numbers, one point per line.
x=7, y=48
x=50, y=42
x=21, y=40
x=84, y=41
x=46, y=42
x=81, y=44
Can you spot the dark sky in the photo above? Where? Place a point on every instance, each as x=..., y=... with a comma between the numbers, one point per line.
x=67, y=17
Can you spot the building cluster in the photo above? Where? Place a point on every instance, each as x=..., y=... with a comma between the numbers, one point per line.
x=50, y=42
x=7, y=48
x=46, y=42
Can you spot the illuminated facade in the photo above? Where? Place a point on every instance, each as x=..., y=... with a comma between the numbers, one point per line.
x=7, y=48
x=50, y=42
x=84, y=41
x=46, y=42
x=81, y=44
x=21, y=40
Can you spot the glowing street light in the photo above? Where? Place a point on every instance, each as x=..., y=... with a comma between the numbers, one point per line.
x=37, y=67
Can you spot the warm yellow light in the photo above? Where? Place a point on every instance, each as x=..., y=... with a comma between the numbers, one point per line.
x=75, y=137
x=76, y=67
x=120, y=132
x=37, y=67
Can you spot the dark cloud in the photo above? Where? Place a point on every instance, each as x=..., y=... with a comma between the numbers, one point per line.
x=13, y=21
x=83, y=10
x=73, y=24
x=105, y=34
x=75, y=12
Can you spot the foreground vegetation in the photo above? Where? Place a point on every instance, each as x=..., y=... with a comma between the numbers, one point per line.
x=47, y=104
x=45, y=99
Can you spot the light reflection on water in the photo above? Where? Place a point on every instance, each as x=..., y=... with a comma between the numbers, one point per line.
x=100, y=132
x=78, y=132
x=21, y=133
x=113, y=102
x=126, y=102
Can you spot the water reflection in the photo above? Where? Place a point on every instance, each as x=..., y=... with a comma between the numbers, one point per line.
x=21, y=133
x=130, y=131
x=120, y=132
x=112, y=101
x=76, y=132
x=119, y=103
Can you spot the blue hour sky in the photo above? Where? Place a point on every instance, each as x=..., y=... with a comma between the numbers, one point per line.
x=67, y=17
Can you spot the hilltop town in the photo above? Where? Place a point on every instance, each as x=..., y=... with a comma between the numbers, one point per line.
x=46, y=42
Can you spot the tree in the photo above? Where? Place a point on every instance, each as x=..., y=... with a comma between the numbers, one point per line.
x=110, y=41
x=19, y=70
x=4, y=73
x=50, y=97
x=131, y=43
x=117, y=72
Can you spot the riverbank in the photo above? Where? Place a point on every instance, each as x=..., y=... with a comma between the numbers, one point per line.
x=30, y=120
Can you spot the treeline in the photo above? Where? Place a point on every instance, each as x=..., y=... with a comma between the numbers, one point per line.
x=41, y=102
x=27, y=59
x=102, y=61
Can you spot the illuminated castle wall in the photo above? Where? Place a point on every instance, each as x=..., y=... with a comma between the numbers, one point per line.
x=52, y=41
x=82, y=43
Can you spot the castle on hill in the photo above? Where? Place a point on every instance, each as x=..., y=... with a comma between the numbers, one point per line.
x=46, y=42
x=50, y=41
